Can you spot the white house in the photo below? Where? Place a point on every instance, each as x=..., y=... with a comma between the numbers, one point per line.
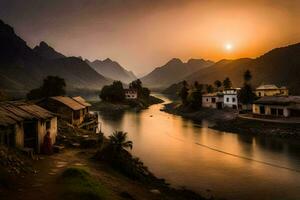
x=130, y=94
x=231, y=98
x=212, y=100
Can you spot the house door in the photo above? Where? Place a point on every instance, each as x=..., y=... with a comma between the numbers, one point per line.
x=30, y=135
x=219, y=105
x=262, y=110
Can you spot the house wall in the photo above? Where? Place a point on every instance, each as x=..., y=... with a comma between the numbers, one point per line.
x=230, y=100
x=78, y=117
x=208, y=103
x=274, y=92
x=256, y=110
x=42, y=130
x=19, y=134
x=131, y=95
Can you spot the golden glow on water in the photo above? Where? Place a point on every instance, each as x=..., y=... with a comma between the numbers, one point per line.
x=231, y=165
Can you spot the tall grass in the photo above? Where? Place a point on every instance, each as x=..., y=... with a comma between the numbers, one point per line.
x=78, y=184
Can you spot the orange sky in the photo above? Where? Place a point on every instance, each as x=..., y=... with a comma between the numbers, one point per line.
x=142, y=34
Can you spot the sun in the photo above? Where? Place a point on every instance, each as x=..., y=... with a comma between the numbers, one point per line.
x=228, y=46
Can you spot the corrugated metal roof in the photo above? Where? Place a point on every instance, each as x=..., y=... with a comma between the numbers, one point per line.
x=37, y=111
x=71, y=103
x=13, y=112
x=7, y=119
x=82, y=101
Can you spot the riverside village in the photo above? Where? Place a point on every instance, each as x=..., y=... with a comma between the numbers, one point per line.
x=149, y=100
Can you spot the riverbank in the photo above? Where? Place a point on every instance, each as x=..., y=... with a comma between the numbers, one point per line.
x=45, y=181
x=227, y=120
x=134, y=104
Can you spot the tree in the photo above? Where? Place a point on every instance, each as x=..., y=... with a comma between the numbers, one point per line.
x=52, y=86
x=227, y=83
x=183, y=94
x=218, y=84
x=247, y=96
x=118, y=140
x=138, y=86
x=247, y=76
x=113, y=93
x=209, y=89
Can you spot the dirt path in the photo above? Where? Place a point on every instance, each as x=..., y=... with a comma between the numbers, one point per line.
x=43, y=185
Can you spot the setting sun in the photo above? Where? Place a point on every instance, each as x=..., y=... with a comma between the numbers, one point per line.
x=228, y=47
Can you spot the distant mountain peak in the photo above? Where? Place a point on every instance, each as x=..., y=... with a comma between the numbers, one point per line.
x=46, y=51
x=175, y=61
x=112, y=69
x=108, y=60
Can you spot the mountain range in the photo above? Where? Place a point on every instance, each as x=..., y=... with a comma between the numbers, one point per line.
x=173, y=71
x=112, y=69
x=280, y=66
x=23, y=68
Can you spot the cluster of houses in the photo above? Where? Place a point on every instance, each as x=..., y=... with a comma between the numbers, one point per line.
x=130, y=94
x=25, y=124
x=272, y=101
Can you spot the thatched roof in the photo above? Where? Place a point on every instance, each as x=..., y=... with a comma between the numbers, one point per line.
x=82, y=101
x=69, y=102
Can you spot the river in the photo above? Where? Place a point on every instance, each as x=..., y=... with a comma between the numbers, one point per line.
x=208, y=161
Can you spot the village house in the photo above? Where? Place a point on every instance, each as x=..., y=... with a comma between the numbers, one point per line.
x=130, y=94
x=277, y=106
x=82, y=101
x=24, y=125
x=213, y=100
x=271, y=90
x=67, y=108
x=231, y=98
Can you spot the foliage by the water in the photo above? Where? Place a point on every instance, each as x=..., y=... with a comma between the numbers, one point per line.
x=52, y=86
x=113, y=93
x=116, y=155
x=78, y=184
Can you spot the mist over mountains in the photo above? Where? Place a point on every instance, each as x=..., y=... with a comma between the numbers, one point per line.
x=112, y=69
x=173, y=71
x=23, y=68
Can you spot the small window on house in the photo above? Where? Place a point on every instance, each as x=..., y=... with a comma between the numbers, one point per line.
x=273, y=111
x=48, y=124
x=206, y=99
x=280, y=112
x=259, y=94
x=213, y=100
x=227, y=99
x=233, y=99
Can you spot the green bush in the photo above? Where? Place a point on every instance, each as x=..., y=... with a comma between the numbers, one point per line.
x=78, y=184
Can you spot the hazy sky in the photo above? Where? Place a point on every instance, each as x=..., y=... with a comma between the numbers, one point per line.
x=143, y=34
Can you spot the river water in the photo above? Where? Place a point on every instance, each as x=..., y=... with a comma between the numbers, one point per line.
x=210, y=162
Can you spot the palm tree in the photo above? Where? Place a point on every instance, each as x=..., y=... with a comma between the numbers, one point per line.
x=119, y=141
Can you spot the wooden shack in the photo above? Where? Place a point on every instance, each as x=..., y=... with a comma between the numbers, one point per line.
x=83, y=102
x=66, y=108
x=24, y=125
